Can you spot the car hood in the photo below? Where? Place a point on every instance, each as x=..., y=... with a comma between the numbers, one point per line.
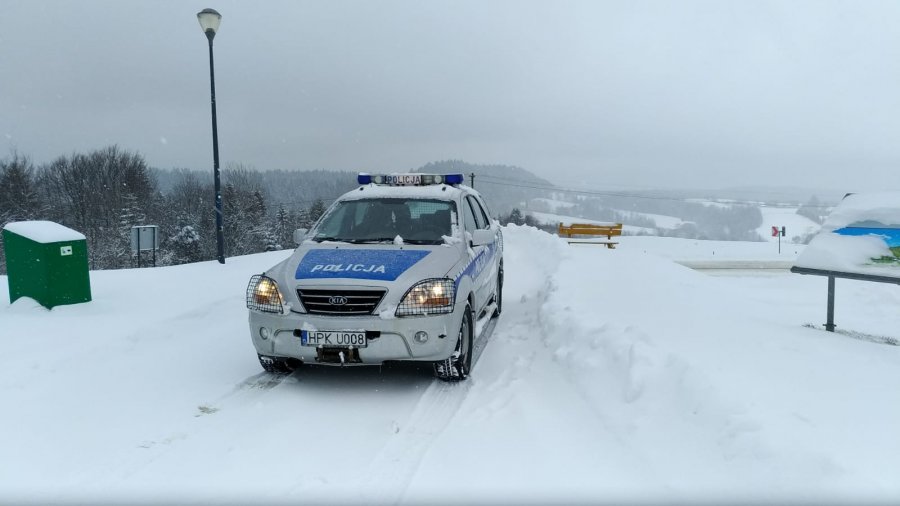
x=394, y=267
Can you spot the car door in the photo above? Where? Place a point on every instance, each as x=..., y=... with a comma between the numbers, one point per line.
x=494, y=225
x=483, y=256
x=470, y=225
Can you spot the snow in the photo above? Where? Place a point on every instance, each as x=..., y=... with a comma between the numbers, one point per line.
x=44, y=232
x=844, y=253
x=434, y=191
x=661, y=220
x=720, y=203
x=679, y=249
x=552, y=204
x=612, y=376
x=795, y=225
x=552, y=219
x=883, y=207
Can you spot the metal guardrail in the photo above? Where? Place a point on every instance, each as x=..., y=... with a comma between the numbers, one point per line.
x=743, y=265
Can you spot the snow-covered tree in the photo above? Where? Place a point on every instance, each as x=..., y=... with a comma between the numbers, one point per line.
x=185, y=245
x=316, y=210
x=814, y=210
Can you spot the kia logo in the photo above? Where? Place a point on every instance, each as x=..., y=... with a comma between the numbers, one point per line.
x=337, y=300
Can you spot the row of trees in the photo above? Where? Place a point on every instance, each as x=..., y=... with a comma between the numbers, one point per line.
x=815, y=210
x=517, y=217
x=102, y=194
x=105, y=192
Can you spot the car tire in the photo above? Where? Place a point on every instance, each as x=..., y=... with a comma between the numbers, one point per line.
x=456, y=367
x=498, y=298
x=276, y=365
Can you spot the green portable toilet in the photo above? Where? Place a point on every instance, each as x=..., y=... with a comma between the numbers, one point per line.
x=47, y=262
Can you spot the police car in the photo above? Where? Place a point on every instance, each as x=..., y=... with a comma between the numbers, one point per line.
x=400, y=268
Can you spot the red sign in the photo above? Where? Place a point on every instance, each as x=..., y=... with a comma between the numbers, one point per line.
x=775, y=232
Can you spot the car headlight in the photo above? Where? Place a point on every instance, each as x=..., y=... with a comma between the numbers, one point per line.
x=432, y=296
x=263, y=295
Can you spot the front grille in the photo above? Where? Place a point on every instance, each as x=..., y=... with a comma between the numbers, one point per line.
x=340, y=302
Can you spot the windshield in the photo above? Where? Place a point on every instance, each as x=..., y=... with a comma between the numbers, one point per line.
x=416, y=221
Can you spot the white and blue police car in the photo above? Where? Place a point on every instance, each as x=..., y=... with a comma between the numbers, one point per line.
x=399, y=269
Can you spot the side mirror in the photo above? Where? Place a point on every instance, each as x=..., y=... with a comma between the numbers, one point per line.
x=300, y=234
x=482, y=237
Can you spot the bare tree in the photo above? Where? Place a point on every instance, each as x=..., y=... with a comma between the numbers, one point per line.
x=90, y=193
x=18, y=194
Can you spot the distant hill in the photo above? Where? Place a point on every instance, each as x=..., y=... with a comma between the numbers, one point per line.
x=729, y=214
x=503, y=186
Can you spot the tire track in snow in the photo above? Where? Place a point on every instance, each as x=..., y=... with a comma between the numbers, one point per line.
x=159, y=447
x=396, y=464
x=515, y=331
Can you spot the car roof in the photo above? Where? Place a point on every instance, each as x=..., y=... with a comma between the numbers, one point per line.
x=435, y=191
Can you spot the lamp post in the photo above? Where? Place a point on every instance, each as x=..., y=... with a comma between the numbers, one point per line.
x=209, y=22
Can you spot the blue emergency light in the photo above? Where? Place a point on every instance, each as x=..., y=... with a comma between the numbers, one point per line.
x=454, y=178
x=410, y=179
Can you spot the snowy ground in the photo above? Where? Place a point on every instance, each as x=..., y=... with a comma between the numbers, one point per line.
x=612, y=376
x=795, y=224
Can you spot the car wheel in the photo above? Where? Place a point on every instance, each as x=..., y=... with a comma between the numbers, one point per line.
x=457, y=366
x=276, y=365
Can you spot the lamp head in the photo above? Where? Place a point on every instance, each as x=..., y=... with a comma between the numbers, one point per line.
x=209, y=21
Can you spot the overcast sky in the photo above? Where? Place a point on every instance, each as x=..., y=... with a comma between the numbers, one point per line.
x=628, y=94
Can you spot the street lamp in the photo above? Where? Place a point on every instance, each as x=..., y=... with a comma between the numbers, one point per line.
x=209, y=22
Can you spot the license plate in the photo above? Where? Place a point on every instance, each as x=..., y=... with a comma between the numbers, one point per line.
x=333, y=338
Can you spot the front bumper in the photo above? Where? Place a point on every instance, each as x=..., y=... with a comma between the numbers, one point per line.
x=395, y=340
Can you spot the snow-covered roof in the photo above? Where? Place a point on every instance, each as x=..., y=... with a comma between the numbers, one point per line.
x=437, y=191
x=44, y=231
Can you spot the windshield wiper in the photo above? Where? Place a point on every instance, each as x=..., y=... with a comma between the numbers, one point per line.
x=321, y=239
x=423, y=241
x=374, y=239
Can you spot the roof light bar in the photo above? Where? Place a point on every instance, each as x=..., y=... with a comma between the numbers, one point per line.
x=410, y=179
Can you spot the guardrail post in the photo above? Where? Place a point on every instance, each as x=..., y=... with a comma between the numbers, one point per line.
x=829, y=325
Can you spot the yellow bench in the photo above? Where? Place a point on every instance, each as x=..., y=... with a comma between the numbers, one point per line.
x=591, y=231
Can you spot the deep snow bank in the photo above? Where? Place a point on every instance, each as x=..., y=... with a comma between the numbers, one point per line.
x=715, y=398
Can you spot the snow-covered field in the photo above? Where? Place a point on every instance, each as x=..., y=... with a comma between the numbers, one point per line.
x=795, y=224
x=612, y=376
x=661, y=221
x=553, y=205
x=552, y=218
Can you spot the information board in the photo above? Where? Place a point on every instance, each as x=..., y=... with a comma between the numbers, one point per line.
x=860, y=237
